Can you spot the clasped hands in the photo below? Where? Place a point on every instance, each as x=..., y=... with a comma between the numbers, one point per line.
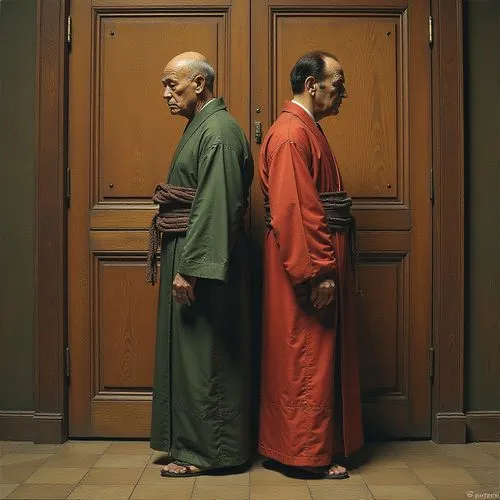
x=183, y=289
x=323, y=292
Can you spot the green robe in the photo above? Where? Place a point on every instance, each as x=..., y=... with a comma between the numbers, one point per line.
x=200, y=389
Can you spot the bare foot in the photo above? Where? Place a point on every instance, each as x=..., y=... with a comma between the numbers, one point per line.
x=175, y=468
x=336, y=470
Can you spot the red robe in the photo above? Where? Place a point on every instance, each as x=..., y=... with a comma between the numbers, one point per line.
x=310, y=401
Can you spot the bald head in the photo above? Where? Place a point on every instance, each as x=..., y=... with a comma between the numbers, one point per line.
x=190, y=65
x=189, y=82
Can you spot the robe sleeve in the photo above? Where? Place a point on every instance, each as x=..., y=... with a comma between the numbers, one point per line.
x=216, y=214
x=298, y=218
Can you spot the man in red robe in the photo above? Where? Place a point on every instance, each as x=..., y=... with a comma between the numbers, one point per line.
x=310, y=407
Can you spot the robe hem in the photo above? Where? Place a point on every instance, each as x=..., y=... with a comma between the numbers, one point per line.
x=295, y=460
x=194, y=459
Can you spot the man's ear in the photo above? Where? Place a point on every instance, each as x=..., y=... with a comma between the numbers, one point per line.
x=310, y=85
x=200, y=84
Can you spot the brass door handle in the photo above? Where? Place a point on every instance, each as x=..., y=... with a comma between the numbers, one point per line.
x=258, y=132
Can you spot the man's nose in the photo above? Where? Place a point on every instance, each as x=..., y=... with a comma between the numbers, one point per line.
x=167, y=94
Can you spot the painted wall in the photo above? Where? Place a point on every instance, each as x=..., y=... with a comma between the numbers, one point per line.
x=482, y=120
x=17, y=203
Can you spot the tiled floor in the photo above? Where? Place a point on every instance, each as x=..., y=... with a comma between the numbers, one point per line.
x=115, y=470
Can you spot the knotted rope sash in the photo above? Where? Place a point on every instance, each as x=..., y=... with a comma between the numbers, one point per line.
x=173, y=217
x=337, y=206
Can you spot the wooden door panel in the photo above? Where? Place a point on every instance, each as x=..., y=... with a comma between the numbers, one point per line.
x=365, y=133
x=125, y=313
x=132, y=123
x=381, y=139
x=121, y=140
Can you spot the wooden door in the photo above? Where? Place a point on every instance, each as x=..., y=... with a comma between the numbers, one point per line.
x=382, y=140
x=121, y=139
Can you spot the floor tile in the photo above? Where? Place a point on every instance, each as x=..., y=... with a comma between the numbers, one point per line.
x=383, y=477
x=179, y=491
x=7, y=447
x=262, y=476
x=62, y=475
x=38, y=448
x=399, y=492
x=10, y=474
x=122, y=461
x=159, y=458
x=87, y=447
x=267, y=492
x=430, y=461
x=444, y=476
x=338, y=490
x=229, y=479
x=31, y=459
x=5, y=489
x=42, y=491
x=234, y=492
x=492, y=449
x=130, y=448
x=469, y=455
x=485, y=475
x=72, y=460
x=391, y=462
x=111, y=476
x=458, y=492
x=95, y=492
x=406, y=447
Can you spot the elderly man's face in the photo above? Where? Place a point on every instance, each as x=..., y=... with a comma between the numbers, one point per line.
x=331, y=90
x=180, y=90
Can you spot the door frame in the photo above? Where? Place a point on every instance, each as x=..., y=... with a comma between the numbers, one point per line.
x=449, y=419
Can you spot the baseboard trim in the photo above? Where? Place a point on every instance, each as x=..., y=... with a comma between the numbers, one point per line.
x=16, y=425
x=48, y=428
x=43, y=428
x=450, y=428
x=483, y=425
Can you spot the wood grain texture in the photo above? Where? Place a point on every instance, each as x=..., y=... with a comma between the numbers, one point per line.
x=122, y=138
x=52, y=60
x=136, y=139
x=447, y=216
x=365, y=133
x=448, y=233
x=382, y=138
x=125, y=325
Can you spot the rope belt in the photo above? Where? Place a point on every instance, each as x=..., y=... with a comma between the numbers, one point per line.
x=173, y=217
x=337, y=206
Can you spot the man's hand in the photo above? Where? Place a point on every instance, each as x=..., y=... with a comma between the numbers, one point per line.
x=183, y=289
x=323, y=293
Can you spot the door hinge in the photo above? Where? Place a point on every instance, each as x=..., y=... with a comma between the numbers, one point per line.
x=69, y=31
x=431, y=185
x=431, y=31
x=68, y=185
x=67, y=363
x=431, y=362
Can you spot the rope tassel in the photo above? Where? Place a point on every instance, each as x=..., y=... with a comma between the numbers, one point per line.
x=172, y=218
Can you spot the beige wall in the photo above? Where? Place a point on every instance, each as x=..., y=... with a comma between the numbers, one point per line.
x=482, y=119
x=17, y=218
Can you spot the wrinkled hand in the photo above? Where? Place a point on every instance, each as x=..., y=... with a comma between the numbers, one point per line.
x=323, y=293
x=183, y=289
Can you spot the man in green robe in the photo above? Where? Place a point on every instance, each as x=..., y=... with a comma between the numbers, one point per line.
x=200, y=389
